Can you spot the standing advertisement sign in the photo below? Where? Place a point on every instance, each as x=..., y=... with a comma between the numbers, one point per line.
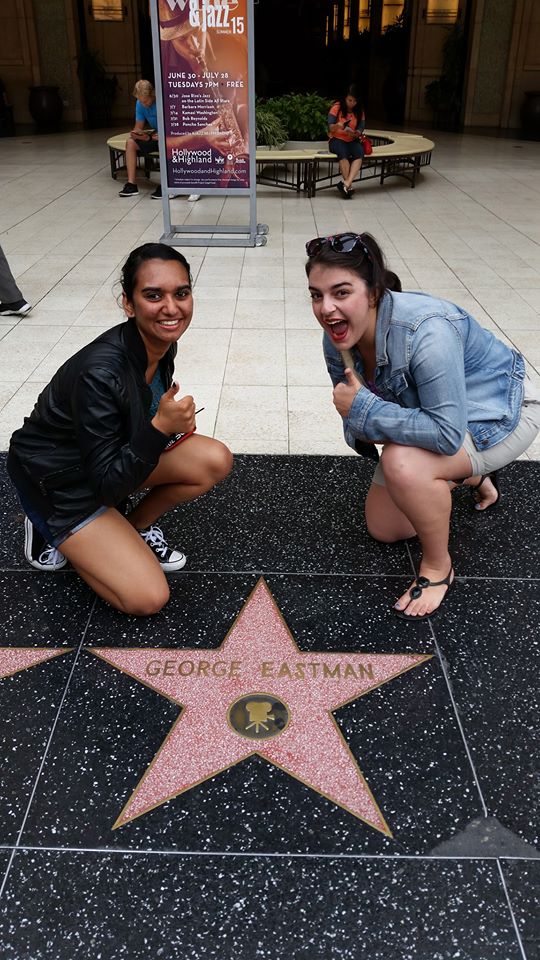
x=203, y=58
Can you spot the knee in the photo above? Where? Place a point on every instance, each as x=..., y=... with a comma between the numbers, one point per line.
x=383, y=534
x=219, y=463
x=400, y=465
x=148, y=601
x=377, y=532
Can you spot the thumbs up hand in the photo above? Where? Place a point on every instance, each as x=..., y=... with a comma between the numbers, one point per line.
x=344, y=393
x=174, y=416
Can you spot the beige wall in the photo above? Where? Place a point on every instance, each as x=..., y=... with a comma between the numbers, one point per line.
x=118, y=44
x=524, y=60
x=504, y=61
x=425, y=61
x=491, y=31
x=19, y=58
x=38, y=45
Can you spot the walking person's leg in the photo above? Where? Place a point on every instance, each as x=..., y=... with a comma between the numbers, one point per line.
x=12, y=302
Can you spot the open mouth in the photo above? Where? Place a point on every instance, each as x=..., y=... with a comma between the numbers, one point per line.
x=337, y=328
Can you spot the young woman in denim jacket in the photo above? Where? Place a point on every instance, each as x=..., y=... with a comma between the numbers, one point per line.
x=446, y=399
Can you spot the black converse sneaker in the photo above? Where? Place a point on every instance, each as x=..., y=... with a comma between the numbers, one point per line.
x=169, y=560
x=129, y=190
x=38, y=552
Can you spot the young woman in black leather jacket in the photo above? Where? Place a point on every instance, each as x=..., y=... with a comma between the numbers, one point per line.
x=107, y=425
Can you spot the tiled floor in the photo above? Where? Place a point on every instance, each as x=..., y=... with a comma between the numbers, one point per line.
x=390, y=815
x=469, y=231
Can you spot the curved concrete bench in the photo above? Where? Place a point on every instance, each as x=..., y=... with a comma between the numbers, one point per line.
x=394, y=155
x=117, y=156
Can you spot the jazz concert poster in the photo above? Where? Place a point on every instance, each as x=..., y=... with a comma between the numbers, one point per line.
x=204, y=76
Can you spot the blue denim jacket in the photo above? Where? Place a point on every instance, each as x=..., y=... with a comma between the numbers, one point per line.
x=438, y=373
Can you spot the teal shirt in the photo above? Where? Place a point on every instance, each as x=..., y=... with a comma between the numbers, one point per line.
x=158, y=389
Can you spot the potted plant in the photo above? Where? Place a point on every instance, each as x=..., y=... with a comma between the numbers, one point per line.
x=269, y=129
x=304, y=115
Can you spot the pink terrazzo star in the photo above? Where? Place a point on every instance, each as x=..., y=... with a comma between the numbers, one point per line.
x=257, y=694
x=14, y=659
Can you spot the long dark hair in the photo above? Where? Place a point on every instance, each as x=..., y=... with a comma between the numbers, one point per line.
x=370, y=266
x=357, y=110
x=148, y=251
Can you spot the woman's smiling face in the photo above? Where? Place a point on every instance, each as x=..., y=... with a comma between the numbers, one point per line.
x=162, y=303
x=342, y=304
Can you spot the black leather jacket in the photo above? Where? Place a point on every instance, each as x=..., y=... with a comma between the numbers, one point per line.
x=89, y=441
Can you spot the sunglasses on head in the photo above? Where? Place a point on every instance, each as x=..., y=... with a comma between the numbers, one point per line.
x=340, y=243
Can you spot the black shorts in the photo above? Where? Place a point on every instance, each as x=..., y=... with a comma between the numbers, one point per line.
x=146, y=146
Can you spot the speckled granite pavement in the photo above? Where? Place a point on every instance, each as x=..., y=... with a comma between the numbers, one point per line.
x=252, y=862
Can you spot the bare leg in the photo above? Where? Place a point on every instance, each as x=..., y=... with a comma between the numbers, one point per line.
x=354, y=170
x=183, y=474
x=344, y=169
x=416, y=482
x=117, y=564
x=385, y=521
x=131, y=160
x=109, y=554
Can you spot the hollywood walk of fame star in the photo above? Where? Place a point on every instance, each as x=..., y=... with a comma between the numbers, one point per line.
x=257, y=694
x=15, y=659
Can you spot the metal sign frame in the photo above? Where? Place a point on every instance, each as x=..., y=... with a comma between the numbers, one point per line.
x=185, y=234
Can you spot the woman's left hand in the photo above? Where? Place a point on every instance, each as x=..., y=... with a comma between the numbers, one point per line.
x=344, y=393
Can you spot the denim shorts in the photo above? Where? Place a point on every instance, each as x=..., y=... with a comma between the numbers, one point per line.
x=346, y=150
x=503, y=453
x=41, y=525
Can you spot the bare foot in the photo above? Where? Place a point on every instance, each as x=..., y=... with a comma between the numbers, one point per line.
x=485, y=495
x=421, y=600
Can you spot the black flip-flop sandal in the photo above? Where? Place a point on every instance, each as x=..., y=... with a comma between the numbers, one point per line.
x=420, y=584
x=475, y=495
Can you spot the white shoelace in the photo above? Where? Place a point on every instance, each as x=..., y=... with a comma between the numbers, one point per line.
x=50, y=556
x=154, y=538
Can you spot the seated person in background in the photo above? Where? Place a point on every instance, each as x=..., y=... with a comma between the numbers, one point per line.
x=143, y=138
x=346, y=123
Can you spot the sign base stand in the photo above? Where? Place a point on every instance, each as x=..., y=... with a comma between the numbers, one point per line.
x=182, y=234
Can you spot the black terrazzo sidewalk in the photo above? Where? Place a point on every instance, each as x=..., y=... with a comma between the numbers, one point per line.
x=253, y=864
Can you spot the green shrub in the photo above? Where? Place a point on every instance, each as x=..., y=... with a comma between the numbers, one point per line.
x=304, y=115
x=268, y=128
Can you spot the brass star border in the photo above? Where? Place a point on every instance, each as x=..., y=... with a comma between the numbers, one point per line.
x=257, y=694
x=15, y=659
